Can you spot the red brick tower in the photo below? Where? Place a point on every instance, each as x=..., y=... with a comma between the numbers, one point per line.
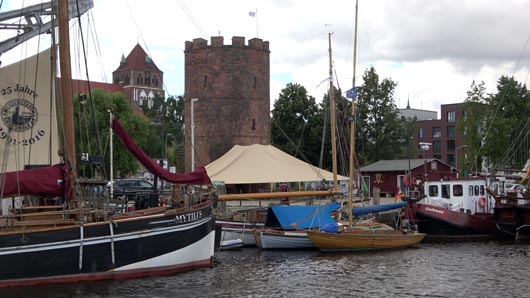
x=140, y=78
x=231, y=86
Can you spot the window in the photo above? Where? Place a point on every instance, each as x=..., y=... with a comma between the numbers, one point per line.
x=437, y=156
x=434, y=166
x=253, y=124
x=451, y=145
x=436, y=147
x=470, y=190
x=433, y=190
x=458, y=190
x=450, y=131
x=436, y=132
x=445, y=191
x=420, y=133
x=451, y=159
x=255, y=82
x=205, y=81
x=451, y=117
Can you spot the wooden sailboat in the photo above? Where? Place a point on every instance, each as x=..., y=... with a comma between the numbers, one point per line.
x=82, y=239
x=351, y=238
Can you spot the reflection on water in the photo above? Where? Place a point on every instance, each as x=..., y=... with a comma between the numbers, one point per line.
x=488, y=269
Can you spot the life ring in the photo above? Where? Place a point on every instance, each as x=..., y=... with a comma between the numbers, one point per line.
x=482, y=202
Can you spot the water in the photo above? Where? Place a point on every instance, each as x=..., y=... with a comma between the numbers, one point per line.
x=485, y=269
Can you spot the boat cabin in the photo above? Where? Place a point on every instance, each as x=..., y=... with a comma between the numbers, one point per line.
x=465, y=195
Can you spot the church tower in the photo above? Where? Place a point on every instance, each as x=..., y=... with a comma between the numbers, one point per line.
x=140, y=78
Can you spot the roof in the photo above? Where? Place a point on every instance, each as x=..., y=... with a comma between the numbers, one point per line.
x=263, y=164
x=136, y=60
x=301, y=217
x=396, y=165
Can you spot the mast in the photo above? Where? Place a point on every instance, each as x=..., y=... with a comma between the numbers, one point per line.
x=66, y=94
x=352, y=128
x=332, y=118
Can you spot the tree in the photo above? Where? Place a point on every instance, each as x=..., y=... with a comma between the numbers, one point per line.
x=471, y=127
x=296, y=124
x=123, y=162
x=508, y=112
x=342, y=115
x=493, y=124
x=379, y=132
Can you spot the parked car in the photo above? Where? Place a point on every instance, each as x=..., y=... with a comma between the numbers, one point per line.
x=139, y=190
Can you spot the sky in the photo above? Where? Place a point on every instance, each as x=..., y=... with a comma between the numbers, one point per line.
x=433, y=50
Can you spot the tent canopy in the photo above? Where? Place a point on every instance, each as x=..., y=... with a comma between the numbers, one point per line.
x=264, y=164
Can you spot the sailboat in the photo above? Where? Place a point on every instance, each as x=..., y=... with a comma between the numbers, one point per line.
x=363, y=238
x=82, y=239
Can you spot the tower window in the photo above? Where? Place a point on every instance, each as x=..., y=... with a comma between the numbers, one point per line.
x=255, y=82
x=205, y=80
x=253, y=124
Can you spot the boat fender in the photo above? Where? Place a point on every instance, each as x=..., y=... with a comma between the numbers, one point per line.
x=482, y=202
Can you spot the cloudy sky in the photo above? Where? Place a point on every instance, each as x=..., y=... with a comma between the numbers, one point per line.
x=432, y=49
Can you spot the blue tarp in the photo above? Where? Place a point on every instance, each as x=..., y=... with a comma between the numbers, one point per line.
x=301, y=217
x=377, y=208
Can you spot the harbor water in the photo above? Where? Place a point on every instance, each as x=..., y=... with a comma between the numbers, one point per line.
x=472, y=269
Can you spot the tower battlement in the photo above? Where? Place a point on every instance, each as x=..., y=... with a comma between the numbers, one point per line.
x=218, y=41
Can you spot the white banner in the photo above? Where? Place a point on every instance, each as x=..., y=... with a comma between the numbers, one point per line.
x=28, y=124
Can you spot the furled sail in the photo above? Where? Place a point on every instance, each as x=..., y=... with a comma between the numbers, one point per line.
x=45, y=180
x=199, y=176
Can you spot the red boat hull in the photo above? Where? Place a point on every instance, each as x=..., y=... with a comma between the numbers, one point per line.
x=439, y=223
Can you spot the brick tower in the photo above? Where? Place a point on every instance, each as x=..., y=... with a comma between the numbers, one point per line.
x=229, y=86
x=139, y=77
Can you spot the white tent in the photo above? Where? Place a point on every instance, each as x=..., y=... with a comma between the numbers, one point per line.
x=264, y=164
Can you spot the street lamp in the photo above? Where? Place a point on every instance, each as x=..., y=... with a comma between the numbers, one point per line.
x=456, y=157
x=193, y=136
x=425, y=147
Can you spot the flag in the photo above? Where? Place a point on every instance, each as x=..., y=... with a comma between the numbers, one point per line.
x=252, y=13
x=352, y=93
x=398, y=196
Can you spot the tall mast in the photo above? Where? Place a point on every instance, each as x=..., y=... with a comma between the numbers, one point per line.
x=66, y=93
x=352, y=129
x=332, y=118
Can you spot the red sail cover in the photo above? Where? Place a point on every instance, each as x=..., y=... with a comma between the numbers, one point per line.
x=199, y=176
x=46, y=180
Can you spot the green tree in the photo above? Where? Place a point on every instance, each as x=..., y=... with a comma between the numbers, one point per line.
x=167, y=117
x=124, y=163
x=379, y=132
x=508, y=112
x=296, y=124
x=476, y=110
x=342, y=114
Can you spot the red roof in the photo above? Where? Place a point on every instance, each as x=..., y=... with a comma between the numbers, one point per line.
x=82, y=86
x=136, y=60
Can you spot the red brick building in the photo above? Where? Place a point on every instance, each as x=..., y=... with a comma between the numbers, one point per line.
x=140, y=78
x=231, y=88
x=446, y=143
x=389, y=175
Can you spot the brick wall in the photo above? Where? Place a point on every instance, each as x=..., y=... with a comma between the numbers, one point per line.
x=232, y=85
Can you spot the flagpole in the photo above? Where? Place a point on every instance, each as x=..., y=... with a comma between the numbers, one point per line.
x=257, y=36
